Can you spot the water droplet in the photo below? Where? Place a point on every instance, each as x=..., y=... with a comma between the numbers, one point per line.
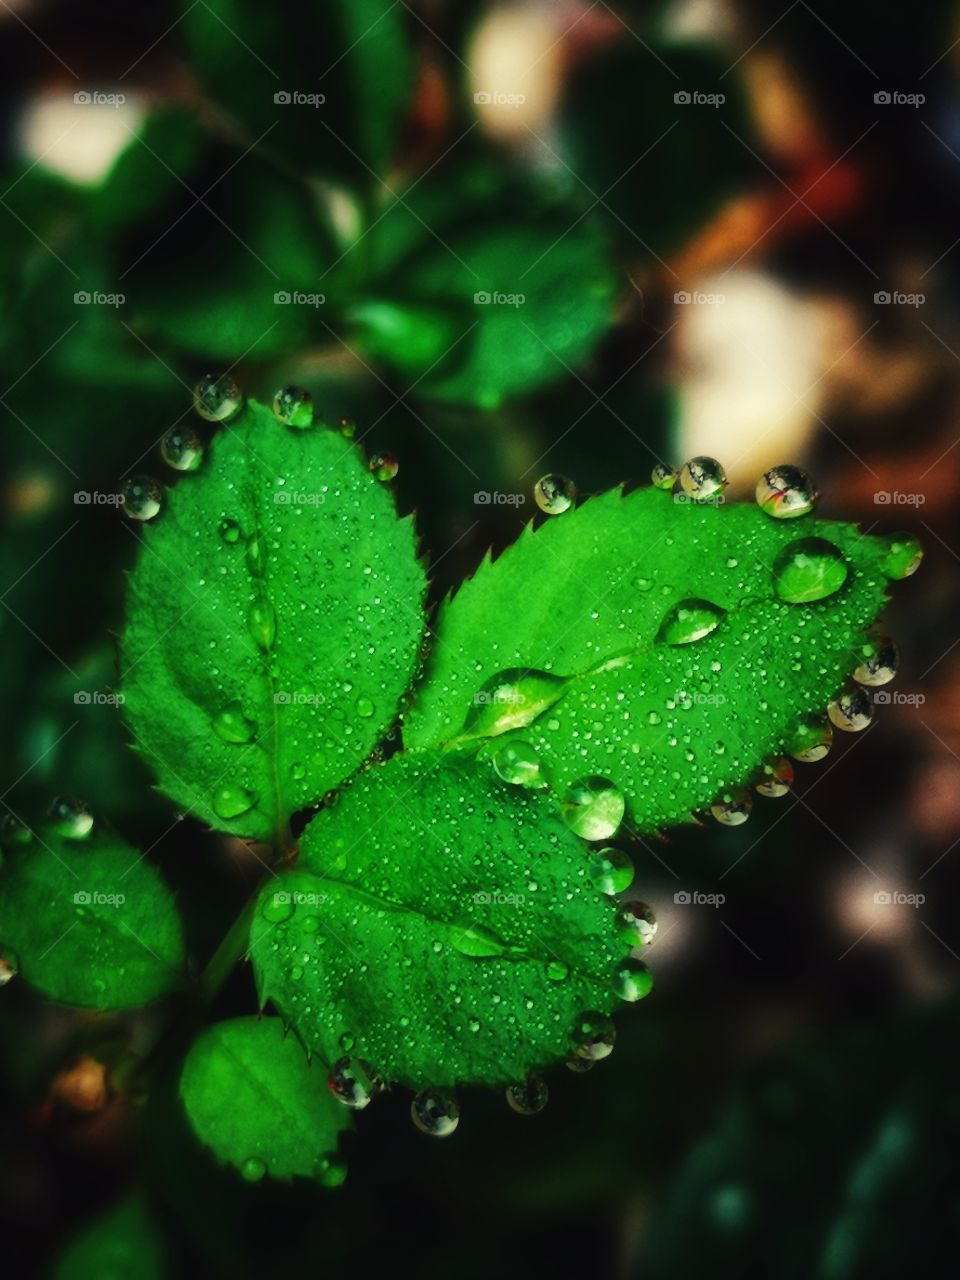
x=510, y=700
x=593, y=808
x=277, y=906
x=902, y=556
x=294, y=407
x=229, y=531
x=557, y=971
x=809, y=569
x=579, y=1066
x=554, y=494
x=298, y=771
x=611, y=871
x=732, y=809
x=9, y=968
x=690, y=620
x=262, y=622
x=365, y=708
x=13, y=830
x=786, y=492
x=811, y=741
x=384, y=466
x=517, y=762
x=851, y=711
x=347, y=1042
x=477, y=941
x=331, y=1172
x=529, y=1098
x=640, y=921
x=217, y=399
x=435, y=1113
x=701, y=479
x=71, y=818
x=233, y=726
x=632, y=980
x=663, y=477
x=777, y=778
x=880, y=661
x=594, y=1036
x=230, y=801
x=354, y=1083
x=182, y=449
x=256, y=556
x=141, y=498
x=253, y=1170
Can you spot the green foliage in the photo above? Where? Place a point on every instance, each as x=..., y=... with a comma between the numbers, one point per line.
x=89, y=922
x=583, y=598
x=438, y=925
x=253, y=1098
x=272, y=626
x=123, y=1244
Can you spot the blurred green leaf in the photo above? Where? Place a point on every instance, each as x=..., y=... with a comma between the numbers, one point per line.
x=123, y=1244
x=158, y=162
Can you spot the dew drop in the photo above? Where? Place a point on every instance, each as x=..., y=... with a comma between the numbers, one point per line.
x=632, y=980
x=557, y=971
x=517, y=762
x=277, y=906
x=354, y=1083
x=701, y=479
x=880, y=661
x=262, y=622
x=230, y=801
x=528, y=1098
x=811, y=741
x=777, y=778
x=253, y=1170
x=732, y=809
x=786, y=492
x=663, y=477
x=182, y=449
x=594, y=1036
x=294, y=407
x=902, y=556
x=510, y=700
x=217, y=399
x=141, y=498
x=593, y=808
x=611, y=871
x=229, y=531
x=689, y=621
x=9, y=968
x=347, y=428
x=554, y=494
x=435, y=1113
x=233, y=726
x=384, y=466
x=640, y=921
x=71, y=818
x=852, y=711
x=365, y=708
x=331, y=1172
x=13, y=830
x=809, y=569
x=477, y=941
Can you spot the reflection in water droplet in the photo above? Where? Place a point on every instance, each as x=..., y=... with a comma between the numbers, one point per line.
x=689, y=621
x=435, y=1113
x=640, y=921
x=809, y=569
x=811, y=741
x=516, y=762
x=786, y=492
x=293, y=406
x=632, y=980
x=852, y=711
x=554, y=494
x=384, y=466
x=611, y=870
x=529, y=1098
x=253, y=1170
x=182, y=449
x=347, y=428
x=701, y=479
x=880, y=661
x=902, y=556
x=732, y=809
x=9, y=968
x=663, y=477
x=141, y=498
x=71, y=818
x=354, y=1082
x=230, y=801
x=233, y=726
x=510, y=700
x=593, y=808
x=594, y=1036
x=777, y=778
x=217, y=399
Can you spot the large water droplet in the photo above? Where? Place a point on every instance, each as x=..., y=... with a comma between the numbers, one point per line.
x=594, y=1036
x=9, y=967
x=663, y=477
x=233, y=726
x=510, y=700
x=690, y=620
x=262, y=622
x=732, y=809
x=902, y=556
x=777, y=778
x=811, y=741
x=229, y=531
x=277, y=906
x=354, y=1082
x=611, y=871
x=529, y=1098
x=182, y=449
x=217, y=399
x=632, y=980
x=593, y=808
x=640, y=922
x=809, y=569
x=365, y=708
x=141, y=498
x=253, y=1170
x=384, y=466
x=554, y=494
x=331, y=1171
x=880, y=661
x=786, y=492
x=851, y=711
x=476, y=940
x=517, y=762
x=230, y=801
x=701, y=479
x=435, y=1113
x=293, y=406
x=71, y=818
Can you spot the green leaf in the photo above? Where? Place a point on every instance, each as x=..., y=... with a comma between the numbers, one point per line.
x=557, y=643
x=355, y=53
x=89, y=922
x=158, y=161
x=439, y=927
x=273, y=622
x=255, y=1100
x=123, y=1244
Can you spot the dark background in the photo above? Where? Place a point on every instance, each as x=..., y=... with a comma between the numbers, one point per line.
x=785, y=1104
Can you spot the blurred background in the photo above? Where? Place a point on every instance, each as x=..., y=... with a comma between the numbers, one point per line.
x=508, y=239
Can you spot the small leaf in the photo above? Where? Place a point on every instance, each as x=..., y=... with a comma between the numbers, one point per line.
x=272, y=625
x=674, y=666
x=90, y=922
x=124, y=1244
x=254, y=1099
x=439, y=926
